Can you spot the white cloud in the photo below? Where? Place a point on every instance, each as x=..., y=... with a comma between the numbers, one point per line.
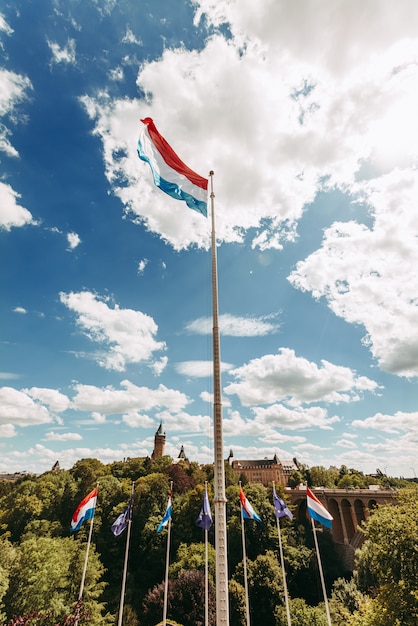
x=159, y=366
x=128, y=334
x=284, y=418
x=369, y=276
x=20, y=310
x=284, y=376
x=235, y=326
x=13, y=90
x=12, y=215
x=7, y=431
x=110, y=401
x=142, y=265
x=198, y=369
x=4, y=26
x=398, y=422
x=52, y=436
x=98, y=417
x=53, y=398
x=137, y=420
x=19, y=409
x=73, y=240
x=66, y=54
x=129, y=37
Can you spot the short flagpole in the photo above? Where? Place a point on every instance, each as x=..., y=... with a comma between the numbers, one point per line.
x=244, y=560
x=83, y=577
x=286, y=595
x=222, y=606
x=167, y=561
x=125, y=565
x=321, y=573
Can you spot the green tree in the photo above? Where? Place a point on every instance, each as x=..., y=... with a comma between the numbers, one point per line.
x=192, y=557
x=322, y=477
x=46, y=574
x=301, y=614
x=265, y=587
x=387, y=564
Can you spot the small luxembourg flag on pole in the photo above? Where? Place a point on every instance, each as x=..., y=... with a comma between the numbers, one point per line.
x=167, y=514
x=247, y=510
x=317, y=511
x=84, y=511
x=170, y=174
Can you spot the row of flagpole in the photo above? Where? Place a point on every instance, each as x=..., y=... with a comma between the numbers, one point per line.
x=317, y=512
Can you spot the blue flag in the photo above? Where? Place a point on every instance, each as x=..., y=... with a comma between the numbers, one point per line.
x=280, y=507
x=121, y=521
x=167, y=515
x=204, y=519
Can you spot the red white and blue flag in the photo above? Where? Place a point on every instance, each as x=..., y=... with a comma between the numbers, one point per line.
x=317, y=511
x=170, y=173
x=84, y=511
x=247, y=510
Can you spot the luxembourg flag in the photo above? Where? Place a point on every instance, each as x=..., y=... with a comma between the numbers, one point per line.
x=170, y=173
x=247, y=510
x=84, y=511
x=317, y=511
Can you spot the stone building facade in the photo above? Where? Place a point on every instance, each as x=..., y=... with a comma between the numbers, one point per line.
x=264, y=471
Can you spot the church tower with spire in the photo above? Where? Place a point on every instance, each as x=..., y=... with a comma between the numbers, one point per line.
x=159, y=443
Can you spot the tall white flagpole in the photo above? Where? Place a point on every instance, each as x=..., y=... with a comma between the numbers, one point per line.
x=125, y=565
x=321, y=573
x=286, y=595
x=244, y=560
x=222, y=607
x=167, y=561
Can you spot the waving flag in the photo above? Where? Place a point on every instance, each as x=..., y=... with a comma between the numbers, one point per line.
x=121, y=521
x=170, y=173
x=204, y=519
x=84, y=511
x=247, y=510
x=280, y=507
x=317, y=511
x=167, y=514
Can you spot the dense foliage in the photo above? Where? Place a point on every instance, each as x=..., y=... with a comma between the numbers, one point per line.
x=41, y=562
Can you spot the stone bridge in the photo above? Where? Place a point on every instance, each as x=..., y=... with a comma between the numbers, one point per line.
x=349, y=508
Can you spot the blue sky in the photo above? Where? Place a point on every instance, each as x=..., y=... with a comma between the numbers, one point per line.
x=307, y=114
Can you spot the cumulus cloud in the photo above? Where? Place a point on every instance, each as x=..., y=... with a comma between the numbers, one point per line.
x=73, y=240
x=284, y=376
x=19, y=409
x=368, y=275
x=52, y=398
x=12, y=214
x=295, y=419
x=52, y=436
x=398, y=422
x=110, y=401
x=235, y=326
x=127, y=334
x=14, y=89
